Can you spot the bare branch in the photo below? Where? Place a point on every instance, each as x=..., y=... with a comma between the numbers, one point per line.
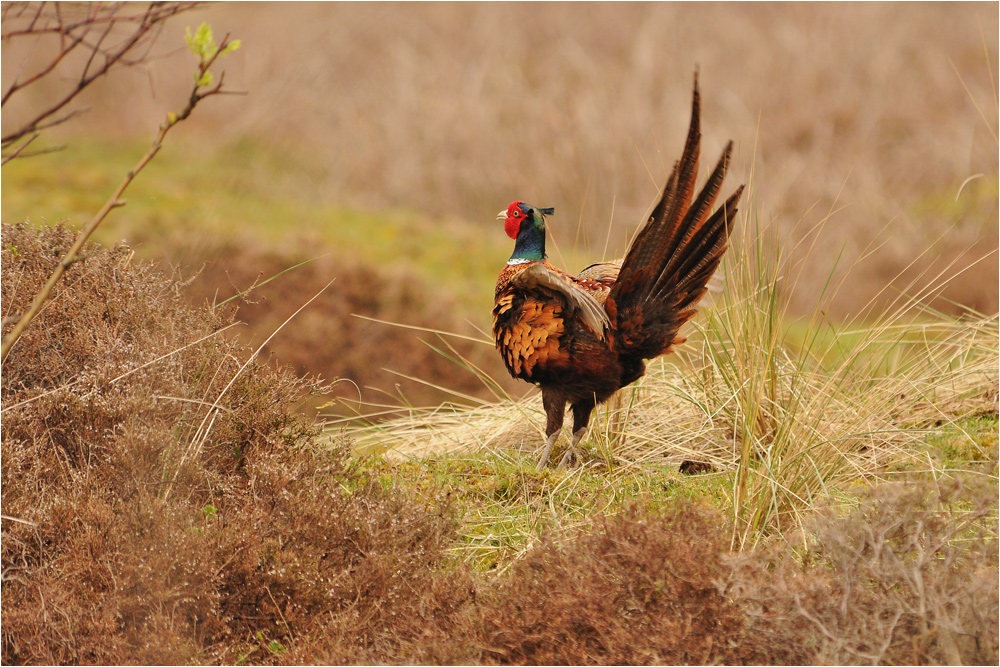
x=37, y=21
x=43, y=151
x=94, y=18
x=17, y=151
x=62, y=119
x=17, y=85
x=96, y=48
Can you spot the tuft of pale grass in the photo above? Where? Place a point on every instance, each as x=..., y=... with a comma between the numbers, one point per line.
x=806, y=418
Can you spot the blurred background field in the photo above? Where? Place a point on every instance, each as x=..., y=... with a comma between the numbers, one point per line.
x=381, y=139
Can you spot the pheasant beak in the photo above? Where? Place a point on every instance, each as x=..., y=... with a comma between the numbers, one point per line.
x=502, y=215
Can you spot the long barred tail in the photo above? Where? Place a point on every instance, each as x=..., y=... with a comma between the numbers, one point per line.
x=667, y=268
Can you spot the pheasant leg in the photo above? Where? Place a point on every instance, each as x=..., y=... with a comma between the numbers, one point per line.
x=548, y=449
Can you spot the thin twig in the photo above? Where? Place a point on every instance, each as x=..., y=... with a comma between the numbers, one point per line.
x=17, y=151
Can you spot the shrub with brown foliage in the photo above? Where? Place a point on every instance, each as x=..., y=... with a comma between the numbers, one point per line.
x=909, y=577
x=129, y=535
x=640, y=588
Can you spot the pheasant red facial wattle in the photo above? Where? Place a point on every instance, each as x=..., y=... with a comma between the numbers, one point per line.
x=512, y=223
x=582, y=338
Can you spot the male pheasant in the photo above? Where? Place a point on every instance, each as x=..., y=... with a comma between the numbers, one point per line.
x=582, y=338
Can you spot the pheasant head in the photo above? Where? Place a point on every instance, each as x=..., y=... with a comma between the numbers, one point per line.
x=526, y=225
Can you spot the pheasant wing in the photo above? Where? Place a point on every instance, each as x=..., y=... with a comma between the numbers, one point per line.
x=581, y=303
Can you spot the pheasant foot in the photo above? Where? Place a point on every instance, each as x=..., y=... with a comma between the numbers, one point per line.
x=548, y=449
x=572, y=456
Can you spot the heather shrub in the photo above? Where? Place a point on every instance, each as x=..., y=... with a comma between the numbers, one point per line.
x=639, y=588
x=150, y=516
x=334, y=566
x=908, y=577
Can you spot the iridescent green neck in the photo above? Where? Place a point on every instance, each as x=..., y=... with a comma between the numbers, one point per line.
x=530, y=243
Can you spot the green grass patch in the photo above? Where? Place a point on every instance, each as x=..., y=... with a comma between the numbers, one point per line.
x=186, y=197
x=505, y=505
x=971, y=440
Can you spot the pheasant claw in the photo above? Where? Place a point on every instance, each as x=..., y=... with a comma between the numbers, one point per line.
x=572, y=456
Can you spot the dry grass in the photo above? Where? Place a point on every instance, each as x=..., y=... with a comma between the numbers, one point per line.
x=842, y=402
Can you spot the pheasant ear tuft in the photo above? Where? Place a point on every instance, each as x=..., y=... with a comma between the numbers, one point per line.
x=547, y=211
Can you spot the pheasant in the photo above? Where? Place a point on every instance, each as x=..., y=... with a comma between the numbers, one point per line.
x=582, y=338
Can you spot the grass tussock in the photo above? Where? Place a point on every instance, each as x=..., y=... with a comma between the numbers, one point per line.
x=810, y=407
